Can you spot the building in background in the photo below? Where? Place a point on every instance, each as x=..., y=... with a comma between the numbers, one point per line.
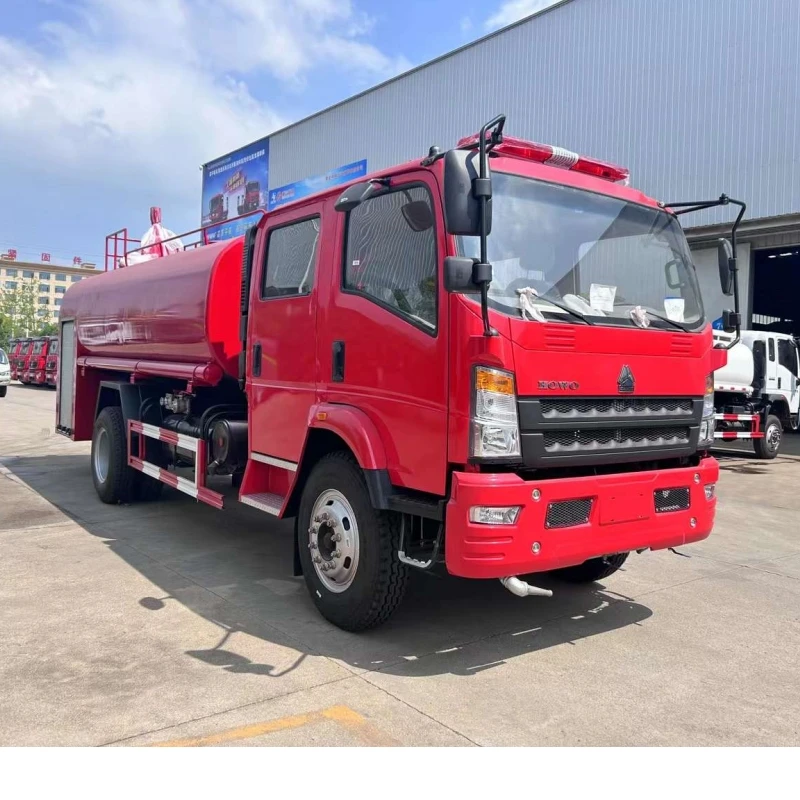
x=52, y=282
x=695, y=97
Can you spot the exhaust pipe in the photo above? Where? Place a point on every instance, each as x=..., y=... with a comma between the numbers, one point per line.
x=522, y=589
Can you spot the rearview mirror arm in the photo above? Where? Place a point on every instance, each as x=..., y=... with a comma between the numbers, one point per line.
x=482, y=189
x=701, y=205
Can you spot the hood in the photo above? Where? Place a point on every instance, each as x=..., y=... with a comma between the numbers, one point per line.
x=561, y=359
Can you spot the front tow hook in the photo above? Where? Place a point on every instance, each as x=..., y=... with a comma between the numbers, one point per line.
x=522, y=589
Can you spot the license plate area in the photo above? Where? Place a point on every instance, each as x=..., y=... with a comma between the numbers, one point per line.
x=625, y=506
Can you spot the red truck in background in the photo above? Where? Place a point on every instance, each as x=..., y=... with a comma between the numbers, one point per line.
x=20, y=365
x=36, y=371
x=218, y=208
x=467, y=360
x=251, y=199
x=51, y=364
x=14, y=345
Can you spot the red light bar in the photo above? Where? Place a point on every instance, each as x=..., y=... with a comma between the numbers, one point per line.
x=553, y=157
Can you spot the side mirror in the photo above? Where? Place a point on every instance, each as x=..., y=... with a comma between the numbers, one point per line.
x=462, y=208
x=731, y=321
x=418, y=215
x=458, y=275
x=356, y=194
x=726, y=266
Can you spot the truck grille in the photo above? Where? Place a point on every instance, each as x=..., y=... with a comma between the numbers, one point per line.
x=617, y=407
x=671, y=499
x=567, y=513
x=577, y=440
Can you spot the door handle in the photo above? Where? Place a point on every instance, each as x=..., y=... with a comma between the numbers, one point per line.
x=256, y=360
x=337, y=366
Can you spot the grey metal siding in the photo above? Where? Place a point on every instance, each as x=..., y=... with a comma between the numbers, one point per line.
x=694, y=96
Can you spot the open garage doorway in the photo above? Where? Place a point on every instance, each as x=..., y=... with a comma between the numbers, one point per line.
x=776, y=290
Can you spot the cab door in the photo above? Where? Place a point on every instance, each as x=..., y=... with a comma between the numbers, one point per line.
x=787, y=372
x=772, y=365
x=383, y=336
x=282, y=336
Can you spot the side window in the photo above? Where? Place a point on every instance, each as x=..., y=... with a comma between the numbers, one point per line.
x=787, y=355
x=391, y=254
x=771, y=349
x=291, y=259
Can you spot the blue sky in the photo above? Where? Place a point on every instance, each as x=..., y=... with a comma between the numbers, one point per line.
x=110, y=106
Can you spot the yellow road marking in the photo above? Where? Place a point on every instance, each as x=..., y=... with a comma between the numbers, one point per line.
x=342, y=715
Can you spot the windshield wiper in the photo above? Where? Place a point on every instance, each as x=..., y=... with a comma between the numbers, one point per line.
x=563, y=307
x=667, y=320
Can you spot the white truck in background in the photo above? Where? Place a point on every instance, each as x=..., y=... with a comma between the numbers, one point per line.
x=756, y=394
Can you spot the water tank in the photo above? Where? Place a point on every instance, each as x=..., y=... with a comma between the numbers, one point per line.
x=737, y=374
x=182, y=308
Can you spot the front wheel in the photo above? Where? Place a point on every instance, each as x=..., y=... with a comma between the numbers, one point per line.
x=3, y=390
x=773, y=433
x=595, y=569
x=348, y=549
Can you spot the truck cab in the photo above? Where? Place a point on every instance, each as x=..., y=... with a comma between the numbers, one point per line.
x=35, y=372
x=51, y=365
x=22, y=361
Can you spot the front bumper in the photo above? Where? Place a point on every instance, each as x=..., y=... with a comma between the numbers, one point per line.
x=622, y=518
x=5, y=378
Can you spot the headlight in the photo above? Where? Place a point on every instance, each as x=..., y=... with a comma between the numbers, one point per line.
x=708, y=398
x=707, y=424
x=495, y=429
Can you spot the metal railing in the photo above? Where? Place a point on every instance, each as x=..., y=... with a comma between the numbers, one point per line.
x=117, y=251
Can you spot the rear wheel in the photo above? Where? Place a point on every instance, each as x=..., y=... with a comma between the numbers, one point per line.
x=773, y=433
x=595, y=569
x=113, y=478
x=348, y=549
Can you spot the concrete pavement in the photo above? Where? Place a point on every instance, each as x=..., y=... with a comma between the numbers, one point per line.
x=173, y=623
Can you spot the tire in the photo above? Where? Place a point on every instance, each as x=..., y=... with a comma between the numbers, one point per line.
x=366, y=592
x=595, y=569
x=3, y=391
x=113, y=479
x=769, y=446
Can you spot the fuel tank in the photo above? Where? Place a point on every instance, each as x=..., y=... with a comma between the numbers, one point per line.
x=182, y=308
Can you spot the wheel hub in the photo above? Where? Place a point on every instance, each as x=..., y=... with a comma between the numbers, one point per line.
x=773, y=437
x=333, y=540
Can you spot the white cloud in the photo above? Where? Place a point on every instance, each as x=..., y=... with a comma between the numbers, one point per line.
x=513, y=10
x=127, y=98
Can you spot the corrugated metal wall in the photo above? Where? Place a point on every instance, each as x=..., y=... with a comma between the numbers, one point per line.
x=694, y=96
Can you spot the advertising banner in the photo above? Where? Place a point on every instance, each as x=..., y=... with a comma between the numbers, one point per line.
x=304, y=188
x=233, y=185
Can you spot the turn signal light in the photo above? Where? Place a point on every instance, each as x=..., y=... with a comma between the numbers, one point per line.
x=492, y=380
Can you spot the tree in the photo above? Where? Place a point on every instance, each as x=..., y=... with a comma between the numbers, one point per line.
x=21, y=307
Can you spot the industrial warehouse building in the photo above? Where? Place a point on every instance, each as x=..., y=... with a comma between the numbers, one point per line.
x=695, y=97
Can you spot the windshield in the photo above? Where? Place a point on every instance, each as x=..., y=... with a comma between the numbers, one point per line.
x=53, y=349
x=597, y=255
x=3, y=356
x=37, y=348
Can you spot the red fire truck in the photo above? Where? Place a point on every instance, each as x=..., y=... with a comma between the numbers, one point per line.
x=467, y=360
x=251, y=199
x=51, y=366
x=20, y=365
x=36, y=372
x=218, y=208
x=13, y=348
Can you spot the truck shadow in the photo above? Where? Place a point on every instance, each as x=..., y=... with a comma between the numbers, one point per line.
x=234, y=568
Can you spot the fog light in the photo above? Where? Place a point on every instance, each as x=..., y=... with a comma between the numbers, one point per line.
x=710, y=490
x=693, y=522
x=494, y=515
x=535, y=548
